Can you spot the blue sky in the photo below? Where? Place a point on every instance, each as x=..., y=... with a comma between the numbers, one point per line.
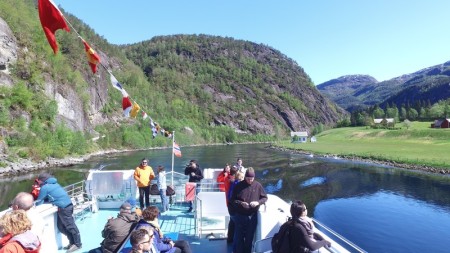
x=327, y=38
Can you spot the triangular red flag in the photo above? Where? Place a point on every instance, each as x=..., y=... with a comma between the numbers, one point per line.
x=92, y=56
x=51, y=19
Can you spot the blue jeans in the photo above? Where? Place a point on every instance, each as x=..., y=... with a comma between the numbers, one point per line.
x=164, y=203
x=244, y=231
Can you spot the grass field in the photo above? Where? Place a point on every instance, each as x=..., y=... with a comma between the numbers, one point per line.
x=419, y=145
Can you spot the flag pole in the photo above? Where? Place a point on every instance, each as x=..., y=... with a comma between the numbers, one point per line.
x=173, y=146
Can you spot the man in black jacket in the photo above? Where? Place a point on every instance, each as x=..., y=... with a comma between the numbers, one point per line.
x=246, y=198
x=195, y=176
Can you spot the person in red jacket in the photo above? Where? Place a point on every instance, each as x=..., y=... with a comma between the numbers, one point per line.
x=222, y=178
x=17, y=235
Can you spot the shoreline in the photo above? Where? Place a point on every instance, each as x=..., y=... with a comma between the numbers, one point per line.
x=423, y=168
x=23, y=166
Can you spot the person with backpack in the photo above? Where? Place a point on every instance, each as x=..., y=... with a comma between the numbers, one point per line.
x=163, y=244
x=293, y=235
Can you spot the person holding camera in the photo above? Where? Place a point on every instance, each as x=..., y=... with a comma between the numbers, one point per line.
x=195, y=176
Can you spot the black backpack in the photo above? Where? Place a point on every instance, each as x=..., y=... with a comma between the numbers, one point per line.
x=280, y=240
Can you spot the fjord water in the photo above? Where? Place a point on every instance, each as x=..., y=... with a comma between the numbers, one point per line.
x=381, y=209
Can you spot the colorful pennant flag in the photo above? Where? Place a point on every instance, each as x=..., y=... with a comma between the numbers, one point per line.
x=118, y=86
x=144, y=115
x=51, y=20
x=134, y=110
x=176, y=150
x=126, y=106
x=92, y=56
x=154, y=130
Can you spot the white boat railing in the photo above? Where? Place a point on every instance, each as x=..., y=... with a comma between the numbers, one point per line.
x=82, y=205
x=353, y=246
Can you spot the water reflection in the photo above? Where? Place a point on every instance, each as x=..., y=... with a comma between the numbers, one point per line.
x=313, y=181
x=273, y=188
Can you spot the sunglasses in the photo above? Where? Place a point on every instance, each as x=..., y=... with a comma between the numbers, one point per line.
x=151, y=236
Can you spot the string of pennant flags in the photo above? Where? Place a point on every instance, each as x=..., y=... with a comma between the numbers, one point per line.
x=52, y=20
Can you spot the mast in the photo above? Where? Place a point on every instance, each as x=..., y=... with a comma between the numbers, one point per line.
x=173, y=154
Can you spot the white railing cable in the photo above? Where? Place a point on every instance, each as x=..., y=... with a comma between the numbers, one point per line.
x=351, y=244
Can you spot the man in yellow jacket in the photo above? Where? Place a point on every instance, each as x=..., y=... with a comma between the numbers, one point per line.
x=143, y=174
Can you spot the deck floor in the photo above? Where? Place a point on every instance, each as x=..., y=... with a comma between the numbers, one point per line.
x=177, y=220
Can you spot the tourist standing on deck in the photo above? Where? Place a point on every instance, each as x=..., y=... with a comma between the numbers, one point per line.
x=239, y=165
x=143, y=174
x=235, y=177
x=162, y=187
x=246, y=198
x=223, y=178
x=55, y=194
x=195, y=176
x=16, y=235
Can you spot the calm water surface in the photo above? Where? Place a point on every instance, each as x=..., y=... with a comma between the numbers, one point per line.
x=380, y=209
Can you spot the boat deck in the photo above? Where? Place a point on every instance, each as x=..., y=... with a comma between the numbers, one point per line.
x=176, y=222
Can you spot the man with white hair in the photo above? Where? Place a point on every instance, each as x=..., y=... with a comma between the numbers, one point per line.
x=25, y=201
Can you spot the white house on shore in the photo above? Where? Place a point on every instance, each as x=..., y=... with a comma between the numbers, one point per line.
x=299, y=136
x=389, y=122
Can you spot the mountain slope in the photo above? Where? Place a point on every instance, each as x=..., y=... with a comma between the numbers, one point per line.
x=247, y=86
x=429, y=84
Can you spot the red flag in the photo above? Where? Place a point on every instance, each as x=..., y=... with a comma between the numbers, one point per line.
x=126, y=106
x=92, y=56
x=51, y=20
x=176, y=150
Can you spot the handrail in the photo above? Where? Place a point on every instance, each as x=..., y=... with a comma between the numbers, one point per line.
x=337, y=235
x=75, y=189
x=176, y=173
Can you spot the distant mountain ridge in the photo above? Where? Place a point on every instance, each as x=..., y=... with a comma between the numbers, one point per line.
x=359, y=91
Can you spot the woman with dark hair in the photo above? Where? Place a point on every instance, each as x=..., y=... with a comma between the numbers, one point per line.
x=162, y=244
x=302, y=234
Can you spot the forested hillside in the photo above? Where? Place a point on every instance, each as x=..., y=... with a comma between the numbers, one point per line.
x=248, y=87
x=208, y=89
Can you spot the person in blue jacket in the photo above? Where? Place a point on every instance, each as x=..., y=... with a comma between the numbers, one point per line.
x=52, y=192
